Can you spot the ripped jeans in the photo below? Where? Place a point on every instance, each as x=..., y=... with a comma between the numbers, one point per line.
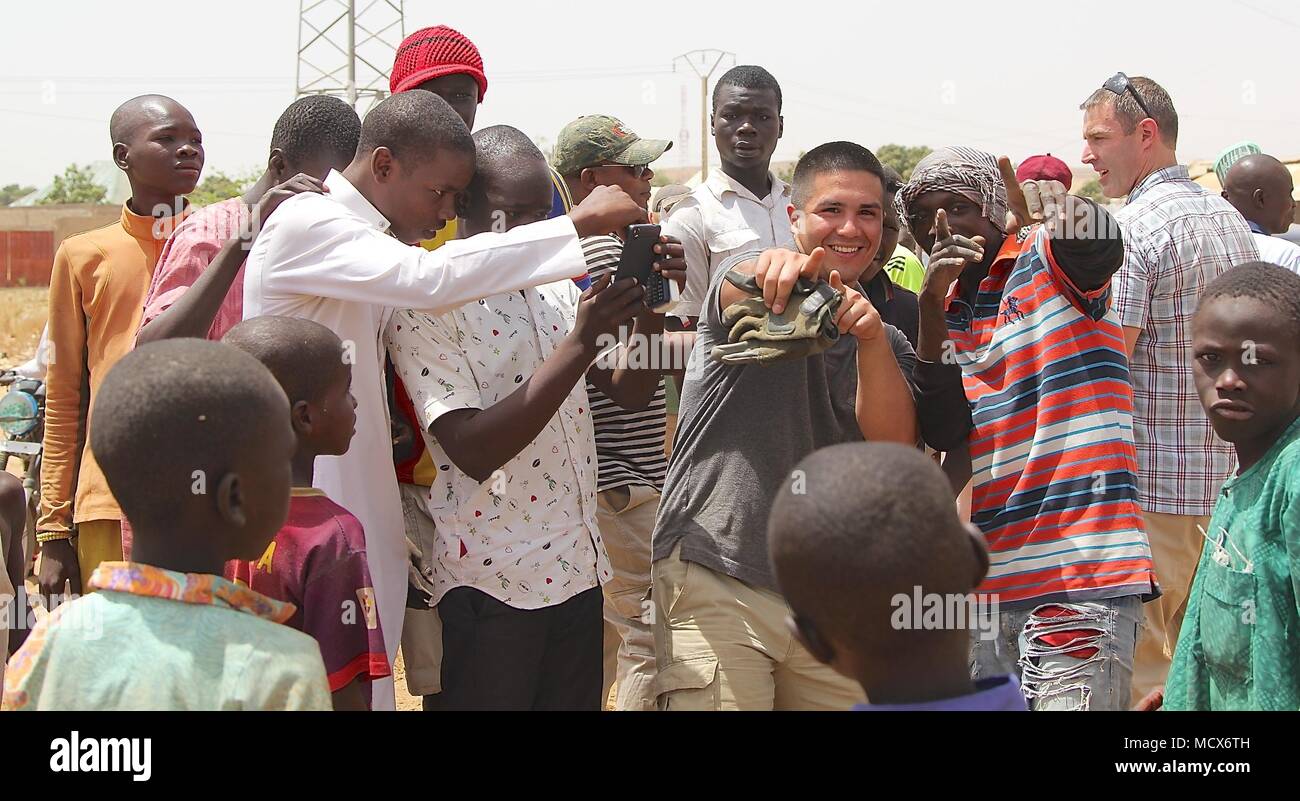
x=1069, y=656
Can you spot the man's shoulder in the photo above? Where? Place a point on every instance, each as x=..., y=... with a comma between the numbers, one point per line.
x=218, y=221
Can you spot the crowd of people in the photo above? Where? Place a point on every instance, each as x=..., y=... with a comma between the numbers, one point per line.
x=372, y=402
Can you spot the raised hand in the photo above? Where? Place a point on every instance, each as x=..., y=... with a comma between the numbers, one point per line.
x=856, y=314
x=606, y=210
x=949, y=256
x=1033, y=201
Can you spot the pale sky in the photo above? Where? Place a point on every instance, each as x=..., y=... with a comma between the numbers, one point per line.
x=942, y=72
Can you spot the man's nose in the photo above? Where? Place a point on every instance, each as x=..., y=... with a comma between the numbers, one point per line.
x=1230, y=380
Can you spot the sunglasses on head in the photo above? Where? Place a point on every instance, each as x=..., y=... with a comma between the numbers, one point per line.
x=1119, y=83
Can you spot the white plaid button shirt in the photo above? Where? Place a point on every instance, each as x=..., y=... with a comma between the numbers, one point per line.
x=1177, y=238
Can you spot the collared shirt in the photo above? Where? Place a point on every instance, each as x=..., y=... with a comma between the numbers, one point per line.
x=188, y=252
x=1275, y=249
x=994, y=694
x=528, y=535
x=327, y=258
x=162, y=640
x=1052, y=459
x=1238, y=648
x=720, y=219
x=97, y=290
x=1177, y=239
x=317, y=562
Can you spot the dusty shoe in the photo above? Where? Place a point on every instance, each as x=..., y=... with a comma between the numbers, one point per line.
x=757, y=336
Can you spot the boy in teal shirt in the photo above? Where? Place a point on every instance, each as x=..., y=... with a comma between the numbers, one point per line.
x=194, y=440
x=1238, y=648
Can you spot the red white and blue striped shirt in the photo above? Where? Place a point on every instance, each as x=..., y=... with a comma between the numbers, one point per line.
x=1052, y=456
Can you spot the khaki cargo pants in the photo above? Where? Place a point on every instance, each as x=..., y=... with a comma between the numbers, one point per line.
x=723, y=644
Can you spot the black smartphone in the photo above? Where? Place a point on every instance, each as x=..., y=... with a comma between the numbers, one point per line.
x=637, y=262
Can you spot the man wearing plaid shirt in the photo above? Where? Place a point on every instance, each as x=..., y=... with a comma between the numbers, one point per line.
x=1177, y=238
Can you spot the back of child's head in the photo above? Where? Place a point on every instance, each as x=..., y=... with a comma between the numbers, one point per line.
x=303, y=355
x=174, y=421
x=1275, y=287
x=859, y=525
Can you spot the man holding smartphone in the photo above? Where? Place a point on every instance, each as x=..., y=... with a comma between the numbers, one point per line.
x=630, y=423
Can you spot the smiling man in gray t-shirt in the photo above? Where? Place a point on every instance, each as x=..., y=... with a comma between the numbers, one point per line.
x=720, y=632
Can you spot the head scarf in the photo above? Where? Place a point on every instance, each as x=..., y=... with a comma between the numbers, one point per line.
x=964, y=171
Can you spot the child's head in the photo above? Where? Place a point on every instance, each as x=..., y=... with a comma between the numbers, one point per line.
x=838, y=196
x=315, y=373
x=511, y=186
x=193, y=440
x=1246, y=353
x=314, y=135
x=858, y=527
x=414, y=158
x=158, y=145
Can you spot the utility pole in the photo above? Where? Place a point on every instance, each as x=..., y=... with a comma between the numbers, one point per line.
x=333, y=60
x=703, y=63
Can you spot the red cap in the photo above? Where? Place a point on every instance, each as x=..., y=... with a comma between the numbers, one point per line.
x=433, y=52
x=1044, y=168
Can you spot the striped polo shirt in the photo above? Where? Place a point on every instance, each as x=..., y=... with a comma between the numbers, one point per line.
x=1052, y=456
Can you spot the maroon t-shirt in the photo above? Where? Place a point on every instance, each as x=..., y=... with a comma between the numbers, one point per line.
x=318, y=563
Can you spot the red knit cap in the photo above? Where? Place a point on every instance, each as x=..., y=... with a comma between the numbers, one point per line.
x=433, y=52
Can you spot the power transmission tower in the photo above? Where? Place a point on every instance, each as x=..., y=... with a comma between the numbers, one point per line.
x=703, y=63
x=345, y=52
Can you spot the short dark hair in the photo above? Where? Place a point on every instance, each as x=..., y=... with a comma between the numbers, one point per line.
x=174, y=407
x=1130, y=113
x=317, y=126
x=831, y=157
x=303, y=355
x=499, y=150
x=859, y=523
x=414, y=125
x=748, y=76
x=892, y=180
x=1274, y=286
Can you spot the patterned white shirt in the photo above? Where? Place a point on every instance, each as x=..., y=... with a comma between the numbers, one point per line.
x=527, y=536
x=1178, y=237
x=720, y=219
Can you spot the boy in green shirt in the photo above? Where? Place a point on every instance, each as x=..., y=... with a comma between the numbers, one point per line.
x=1237, y=649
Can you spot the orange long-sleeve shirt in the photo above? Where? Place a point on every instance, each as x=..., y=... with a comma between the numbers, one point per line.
x=97, y=291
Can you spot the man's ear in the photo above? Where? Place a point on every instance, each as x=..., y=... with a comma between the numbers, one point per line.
x=980, y=547
x=119, y=155
x=301, y=418
x=808, y=636
x=780, y=126
x=1258, y=197
x=1150, y=131
x=587, y=178
x=277, y=166
x=382, y=165
x=230, y=500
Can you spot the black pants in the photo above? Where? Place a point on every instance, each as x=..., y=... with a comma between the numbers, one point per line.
x=495, y=656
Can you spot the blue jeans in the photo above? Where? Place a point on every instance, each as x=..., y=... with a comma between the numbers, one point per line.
x=1088, y=665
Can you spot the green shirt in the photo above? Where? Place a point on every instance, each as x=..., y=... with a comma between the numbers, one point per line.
x=1240, y=642
x=905, y=269
x=156, y=639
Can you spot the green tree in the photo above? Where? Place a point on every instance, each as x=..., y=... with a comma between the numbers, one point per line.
x=218, y=186
x=1092, y=191
x=75, y=185
x=10, y=193
x=902, y=157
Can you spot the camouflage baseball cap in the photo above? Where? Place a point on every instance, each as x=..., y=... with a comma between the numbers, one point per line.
x=598, y=139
